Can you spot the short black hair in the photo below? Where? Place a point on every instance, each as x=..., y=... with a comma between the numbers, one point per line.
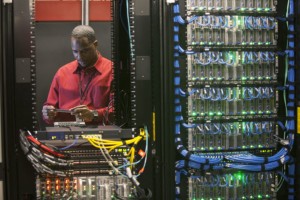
x=84, y=31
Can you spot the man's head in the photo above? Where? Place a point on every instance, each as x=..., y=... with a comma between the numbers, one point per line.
x=84, y=45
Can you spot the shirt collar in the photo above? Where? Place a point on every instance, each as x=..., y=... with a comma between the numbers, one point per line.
x=97, y=65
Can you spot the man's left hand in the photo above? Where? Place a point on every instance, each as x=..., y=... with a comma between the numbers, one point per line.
x=83, y=112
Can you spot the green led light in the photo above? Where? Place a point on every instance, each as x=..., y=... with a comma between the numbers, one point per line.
x=211, y=113
x=219, y=113
x=242, y=9
x=202, y=114
x=260, y=146
x=202, y=148
x=251, y=197
x=259, y=9
x=243, y=197
x=267, y=195
x=251, y=146
x=201, y=42
x=238, y=176
x=219, y=198
x=244, y=112
x=211, y=148
x=243, y=147
x=259, y=196
x=244, y=78
x=194, y=113
x=252, y=112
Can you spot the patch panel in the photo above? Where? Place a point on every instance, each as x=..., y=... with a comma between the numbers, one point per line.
x=227, y=67
x=232, y=136
x=232, y=186
x=87, y=187
x=232, y=5
x=232, y=30
x=232, y=101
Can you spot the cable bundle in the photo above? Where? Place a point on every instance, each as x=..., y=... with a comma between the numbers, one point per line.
x=51, y=160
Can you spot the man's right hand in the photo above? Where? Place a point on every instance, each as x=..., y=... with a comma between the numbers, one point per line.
x=49, y=112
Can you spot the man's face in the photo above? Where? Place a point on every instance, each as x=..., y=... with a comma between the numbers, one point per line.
x=84, y=51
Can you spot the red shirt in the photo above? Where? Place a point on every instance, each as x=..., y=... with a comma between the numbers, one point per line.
x=73, y=86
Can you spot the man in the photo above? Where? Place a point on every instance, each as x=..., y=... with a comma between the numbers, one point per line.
x=82, y=86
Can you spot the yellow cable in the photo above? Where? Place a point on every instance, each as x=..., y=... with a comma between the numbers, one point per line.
x=110, y=145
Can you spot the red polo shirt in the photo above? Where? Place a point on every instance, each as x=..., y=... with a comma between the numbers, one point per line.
x=73, y=86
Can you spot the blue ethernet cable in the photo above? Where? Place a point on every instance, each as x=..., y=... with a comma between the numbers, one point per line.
x=290, y=126
x=258, y=168
x=178, y=117
x=258, y=160
x=193, y=157
x=70, y=145
x=183, y=164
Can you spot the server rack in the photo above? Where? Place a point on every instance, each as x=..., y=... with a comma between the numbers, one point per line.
x=162, y=85
x=191, y=48
x=21, y=80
